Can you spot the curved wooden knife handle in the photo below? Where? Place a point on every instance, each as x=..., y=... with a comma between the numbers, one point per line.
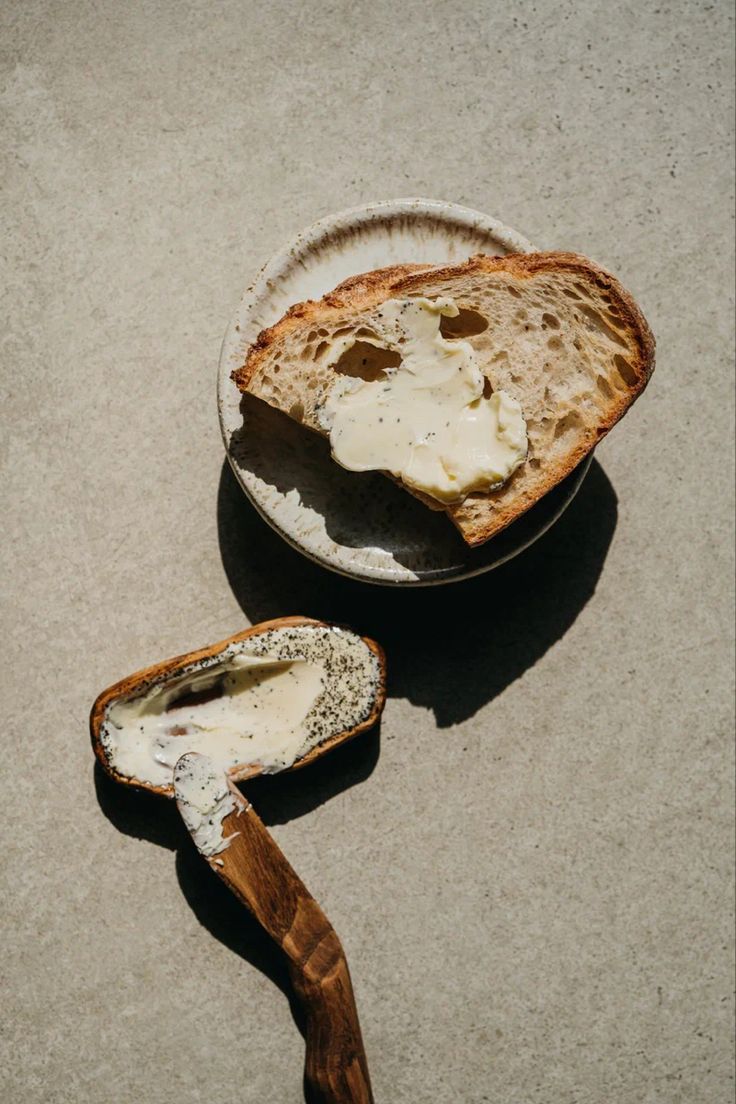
x=256, y=870
x=335, y=1064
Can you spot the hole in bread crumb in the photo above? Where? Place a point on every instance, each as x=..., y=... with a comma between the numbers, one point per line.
x=321, y=349
x=567, y=424
x=487, y=388
x=500, y=355
x=322, y=333
x=276, y=369
x=367, y=362
x=342, y=331
x=365, y=332
x=554, y=343
x=513, y=291
x=192, y=698
x=467, y=323
x=551, y=321
x=296, y=411
x=597, y=322
x=312, y=384
x=570, y=293
x=604, y=387
x=311, y=336
x=520, y=316
x=625, y=370
x=534, y=463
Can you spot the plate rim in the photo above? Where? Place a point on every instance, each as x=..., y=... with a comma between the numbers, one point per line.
x=269, y=272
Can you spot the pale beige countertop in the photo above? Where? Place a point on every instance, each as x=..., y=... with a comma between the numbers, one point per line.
x=530, y=867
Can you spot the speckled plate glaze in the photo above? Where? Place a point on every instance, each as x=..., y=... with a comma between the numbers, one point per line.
x=361, y=525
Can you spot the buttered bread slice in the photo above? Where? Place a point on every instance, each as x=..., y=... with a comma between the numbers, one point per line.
x=477, y=386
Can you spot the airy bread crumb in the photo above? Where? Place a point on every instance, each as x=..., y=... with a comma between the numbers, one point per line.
x=553, y=330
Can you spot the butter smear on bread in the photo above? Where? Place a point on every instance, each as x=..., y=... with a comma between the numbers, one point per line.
x=430, y=419
x=265, y=700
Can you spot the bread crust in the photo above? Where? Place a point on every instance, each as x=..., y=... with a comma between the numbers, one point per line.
x=169, y=668
x=365, y=291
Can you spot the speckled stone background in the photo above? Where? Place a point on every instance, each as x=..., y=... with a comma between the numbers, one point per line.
x=530, y=865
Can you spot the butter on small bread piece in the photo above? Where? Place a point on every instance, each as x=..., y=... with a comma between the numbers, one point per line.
x=274, y=697
x=553, y=332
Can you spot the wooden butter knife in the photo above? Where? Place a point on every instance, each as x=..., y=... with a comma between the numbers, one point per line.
x=251, y=864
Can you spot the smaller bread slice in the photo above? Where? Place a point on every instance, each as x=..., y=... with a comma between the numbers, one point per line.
x=553, y=330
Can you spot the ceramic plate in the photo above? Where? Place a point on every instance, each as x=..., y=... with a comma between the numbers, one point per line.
x=361, y=525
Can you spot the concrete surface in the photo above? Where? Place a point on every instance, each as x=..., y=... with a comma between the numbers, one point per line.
x=530, y=868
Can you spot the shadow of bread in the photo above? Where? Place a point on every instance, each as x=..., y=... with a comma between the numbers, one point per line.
x=492, y=628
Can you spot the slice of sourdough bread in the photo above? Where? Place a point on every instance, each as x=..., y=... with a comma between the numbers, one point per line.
x=553, y=330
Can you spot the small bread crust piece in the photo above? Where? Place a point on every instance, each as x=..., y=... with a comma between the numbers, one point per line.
x=158, y=673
